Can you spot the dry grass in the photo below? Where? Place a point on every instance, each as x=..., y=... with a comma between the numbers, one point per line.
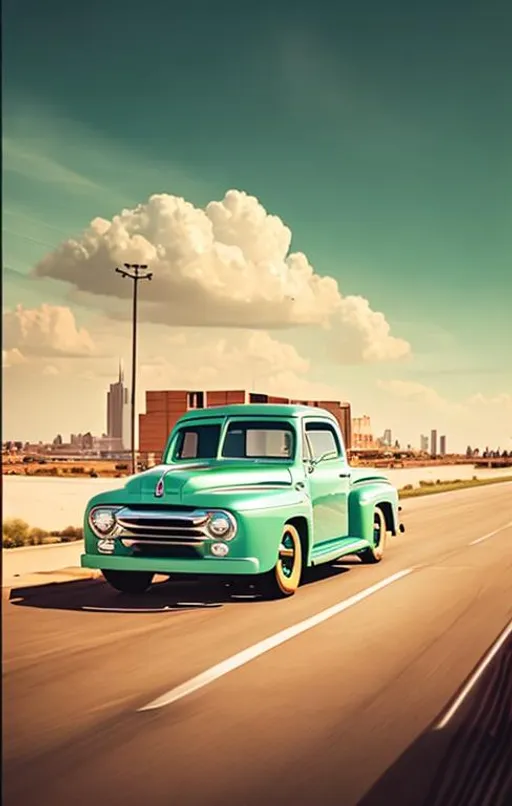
x=431, y=487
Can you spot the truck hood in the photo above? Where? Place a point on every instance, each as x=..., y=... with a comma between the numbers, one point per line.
x=180, y=482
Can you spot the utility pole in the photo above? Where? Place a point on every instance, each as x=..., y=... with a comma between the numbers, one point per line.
x=135, y=272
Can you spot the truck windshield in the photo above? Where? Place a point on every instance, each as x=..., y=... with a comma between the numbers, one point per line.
x=250, y=439
x=255, y=439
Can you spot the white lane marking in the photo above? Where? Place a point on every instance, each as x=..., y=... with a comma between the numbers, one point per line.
x=475, y=677
x=491, y=534
x=241, y=658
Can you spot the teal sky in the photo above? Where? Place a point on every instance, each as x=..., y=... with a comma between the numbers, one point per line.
x=379, y=132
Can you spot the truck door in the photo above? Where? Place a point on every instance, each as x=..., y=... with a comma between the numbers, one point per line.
x=328, y=478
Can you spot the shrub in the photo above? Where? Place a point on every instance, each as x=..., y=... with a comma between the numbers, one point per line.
x=70, y=533
x=408, y=487
x=15, y=532
x=36, y=536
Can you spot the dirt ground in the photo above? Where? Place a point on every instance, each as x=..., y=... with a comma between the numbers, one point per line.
x=101, y=468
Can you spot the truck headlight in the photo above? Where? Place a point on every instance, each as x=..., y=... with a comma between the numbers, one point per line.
x=102, y=520
x=221, y=525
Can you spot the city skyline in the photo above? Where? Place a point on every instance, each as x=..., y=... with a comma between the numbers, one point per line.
x=116, y=436
x=328, y=225
x=111, y=441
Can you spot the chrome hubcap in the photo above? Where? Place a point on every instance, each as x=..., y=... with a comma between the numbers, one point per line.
x=287, y=554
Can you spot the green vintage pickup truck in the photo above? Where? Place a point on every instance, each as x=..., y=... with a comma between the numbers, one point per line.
x=249, y=492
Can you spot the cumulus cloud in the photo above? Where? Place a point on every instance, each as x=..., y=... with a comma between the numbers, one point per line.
x=193, y=358
x=50, y=370
x=364, y=334
x=228, y=265
x=45, y=331
x=426, y=395
x=250, y=359
x=11, y=358
x=478, y=419
x=414, y=392
x=502, y=401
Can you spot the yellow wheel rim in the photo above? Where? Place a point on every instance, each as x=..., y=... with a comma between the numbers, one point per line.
x=289, y=563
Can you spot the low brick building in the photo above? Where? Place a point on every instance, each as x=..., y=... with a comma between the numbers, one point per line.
x=164, y=409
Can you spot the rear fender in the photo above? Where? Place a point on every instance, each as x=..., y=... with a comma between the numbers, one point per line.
x=361, y=505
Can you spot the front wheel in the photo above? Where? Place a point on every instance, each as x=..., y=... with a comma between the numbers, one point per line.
x=129, y=581
x=284, y=578
x=375, y=552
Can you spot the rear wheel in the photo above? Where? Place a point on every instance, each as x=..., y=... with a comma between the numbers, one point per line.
x=284, y=578
x=129, y=581
x=375, y=553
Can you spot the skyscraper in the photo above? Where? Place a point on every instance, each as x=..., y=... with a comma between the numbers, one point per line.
x=424, y=443
x=386, y=439
x=117, y=408
x=442, y=445
x=433, y=442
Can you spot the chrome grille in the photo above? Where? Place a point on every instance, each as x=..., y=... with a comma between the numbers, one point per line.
x=159, y=528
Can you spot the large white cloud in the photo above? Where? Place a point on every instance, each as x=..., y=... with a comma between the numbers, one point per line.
x=361, y=334
x=227, y=265
x=49, y=330
x=12, y=358
x=415, y=393
x=479, y=419
x=239, y=359
x=193, y=358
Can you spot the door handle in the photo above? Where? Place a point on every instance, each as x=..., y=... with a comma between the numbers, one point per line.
x=300, y=485
x=344, y=475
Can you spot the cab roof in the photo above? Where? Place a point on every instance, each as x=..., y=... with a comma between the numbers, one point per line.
x=258, y=410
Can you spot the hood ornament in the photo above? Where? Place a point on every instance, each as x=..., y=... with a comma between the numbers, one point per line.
x=159, y=489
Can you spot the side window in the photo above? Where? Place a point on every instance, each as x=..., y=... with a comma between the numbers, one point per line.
x=323, y=440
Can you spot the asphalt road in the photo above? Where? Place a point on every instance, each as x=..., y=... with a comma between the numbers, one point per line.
x=344, y=712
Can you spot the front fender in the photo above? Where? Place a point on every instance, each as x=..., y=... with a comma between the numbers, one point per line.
x=261, y=531
x=261, y=515
x=361, y=503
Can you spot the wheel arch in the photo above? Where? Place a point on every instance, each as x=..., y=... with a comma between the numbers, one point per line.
x=387, y=511
x=300, y=522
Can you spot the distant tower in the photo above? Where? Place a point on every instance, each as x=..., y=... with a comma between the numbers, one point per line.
x=433, y=442
x=442, y=445
x=117, y=406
